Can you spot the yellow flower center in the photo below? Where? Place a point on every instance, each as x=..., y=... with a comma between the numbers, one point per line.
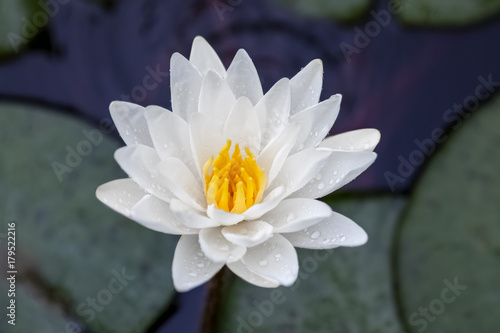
x=232, y=183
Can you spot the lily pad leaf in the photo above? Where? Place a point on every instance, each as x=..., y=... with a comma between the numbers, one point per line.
x=77, y=261
x=449, y=246
x=343, y=11
x=20, y=21
x=447, y=12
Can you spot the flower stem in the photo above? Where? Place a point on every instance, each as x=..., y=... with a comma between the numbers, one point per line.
x=212, y=303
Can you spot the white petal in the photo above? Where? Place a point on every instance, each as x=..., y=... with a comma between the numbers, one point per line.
x=273, y=110
x=120, y=195
x=190, y=267
x=221, y=217
x=216, y=98
x=275, y=259
x=242, y=126
x=206, y=139
x=170, y=135
x=204, y=58
x=340, y=168
x=243, y=78
x=273, y=156
x=155, y=214
x=336, y=230
x=299, y=169
x=362, y=139
x=315, y=122
x=248, y=233
x=306, y=86
x=296, y=214
x=271, y=200
x=185, y=85
x=189, y=216
x=240, y=269
x=139, y=162
x=182, y=183
x=219, y=249
x=130, y=122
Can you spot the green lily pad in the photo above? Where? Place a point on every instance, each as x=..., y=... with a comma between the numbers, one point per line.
x=447, y=12
x=340, y=290
x=449, y=248
x=89, y=264
x=20, y=22
x=343, y=11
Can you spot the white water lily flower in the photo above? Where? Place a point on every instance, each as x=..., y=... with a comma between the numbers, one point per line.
x=237, y=172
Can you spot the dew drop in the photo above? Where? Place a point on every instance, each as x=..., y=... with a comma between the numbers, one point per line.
x=321, y=186
x=290, y=217
x=331, y=181
x=335, y=172
x=263, y=262
x=193, y=274
x=315, y=234
x=200, y=265
x=342, y=238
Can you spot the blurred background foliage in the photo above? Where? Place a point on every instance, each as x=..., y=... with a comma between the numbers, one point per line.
x=63, y=61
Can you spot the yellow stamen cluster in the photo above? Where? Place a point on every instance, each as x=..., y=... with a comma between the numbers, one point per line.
x=232, y=183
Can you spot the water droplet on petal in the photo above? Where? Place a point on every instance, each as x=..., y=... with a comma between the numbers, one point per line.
x=193, y=274
x=315, y=234
x=342, y=238
x=321, y=186
x=263, y=262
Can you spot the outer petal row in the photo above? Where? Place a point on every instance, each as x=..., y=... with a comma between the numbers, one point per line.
x=336, y=230
x=131, y=123
x=129, y=199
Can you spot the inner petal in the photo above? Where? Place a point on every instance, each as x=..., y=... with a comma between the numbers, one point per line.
x=233, y=182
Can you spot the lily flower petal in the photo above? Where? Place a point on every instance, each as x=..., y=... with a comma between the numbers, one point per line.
x=185, y=83
x=130, y=122
x=340, y=168
x=306, y=86
x=204, y=58
x=190, y=267
x=243, y=78
x=248, y=233
x=242, y=270
x=218, y=248
x=275, y=259
x=362, y=139
x=296, y=214
x=336, y=230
